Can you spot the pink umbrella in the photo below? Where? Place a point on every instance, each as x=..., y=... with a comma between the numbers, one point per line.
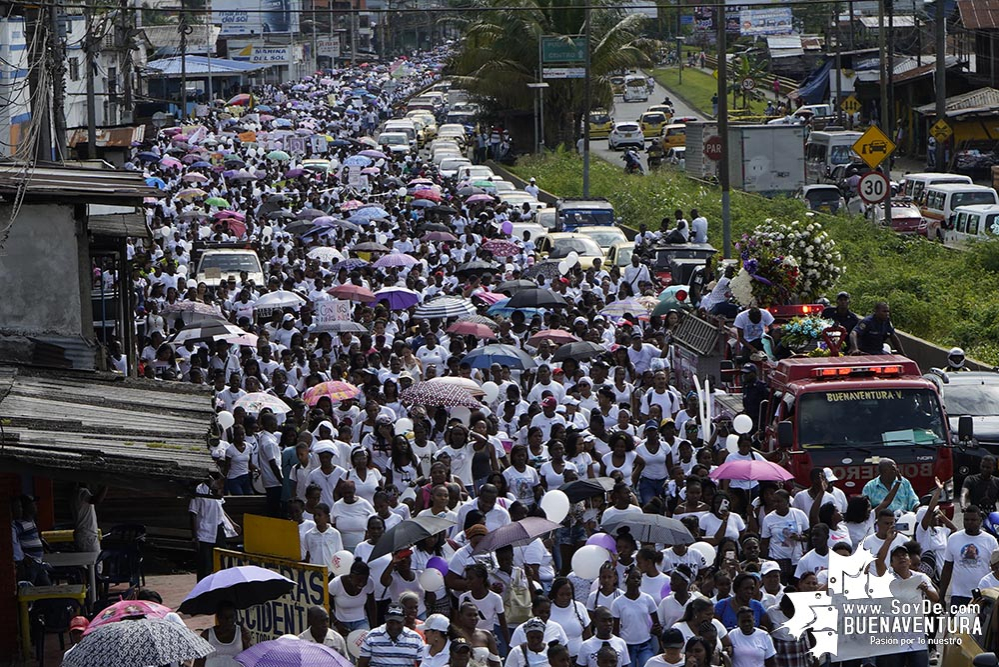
x=478, y=198
x=755, y=470
x=432, y=195
x=439, y=236
x=501, y=248
x=194, y=177
x=469, y=328
x=371, y=170
x=236, y=226
x=223, y=215
x=553, y=335
x=489, y=297
x=170, y=131
x=351, y=204
x=127, y=609
x=353, y=293
x=170, y=162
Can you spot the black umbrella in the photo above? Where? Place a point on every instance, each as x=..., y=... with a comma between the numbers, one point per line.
x=281, y=215
x=536, y=298
x=514, y=286
x=434, y=227
x=469, y=190
x=583, y=489
x=652, y=529
x=407, y=533
x=393, y=182
x=370, y=246
x=583, y=349
x=549, y=269
x=299, y=226
x=476, y=266
x=518, y=533
x=442, y=209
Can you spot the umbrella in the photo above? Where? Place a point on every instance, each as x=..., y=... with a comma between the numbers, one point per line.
x=501, y=308
x=420, y=181
x=469, y=190
x=578, y=350
x=490, y=298
x=147, y=641
x=583, y=489
x=351, y=263
x=244, y=586
x=476, y=198
x=294, y=173
x=335, y=390
x=500, y=248
x=279, y=156
x=422, y=203
x=194, y=177
x=397, y=298
x=536, y=298
x=395, y=259
x=190, y=307
x=549, y=269
x=345, y=326
x=206, y=332
x=552, y=335
x=291, y=653
x=652, y=528
x=441, y=208
x=371, y=152
x=466, y=328
x=438, y=395
x=242, y=98
x=431, y=195
x=444, y=237
x=310, y=214
x=127, y=609
x=434, y=227
x=497, y=353
x=316, y=165
x=146, y=156
x=519, y=533
x=407, y=533
x=201, y=164
x=325, y=254
x=158, y=183
x=297, y=227
x=755, y=470
x=352, y=292
x=191, y=193
x=193, y=215
x=370, y=246
x=480, y=319
x=444, y=307
x=368, y=213
x=477, y=266
x=357, y=161
x=257, y=401
x=373, y=171
x=277, y=300
x=629, y=306
x=471, y=386
x=217, y=202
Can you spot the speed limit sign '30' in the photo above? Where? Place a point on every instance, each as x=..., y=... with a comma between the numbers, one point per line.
x=873, y=187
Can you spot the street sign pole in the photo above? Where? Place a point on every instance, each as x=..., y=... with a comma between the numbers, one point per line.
x=586, y=110
x=723, y=178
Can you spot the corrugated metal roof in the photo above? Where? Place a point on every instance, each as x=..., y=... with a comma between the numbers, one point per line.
x=114, y=137
x=982, y=99
x=979, y=14
x=50, y=181
x=872, y=22
x=786, y=53
x=200, y=65
x=784, y=42
x=140, y=433
x=907, y=68
x=119, y=225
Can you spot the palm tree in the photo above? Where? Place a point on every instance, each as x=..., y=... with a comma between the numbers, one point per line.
x=500, y=56
x=744, y=67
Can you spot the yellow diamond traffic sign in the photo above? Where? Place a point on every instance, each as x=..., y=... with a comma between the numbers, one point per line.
x=873, y=147
x=941, y=130
x=850, y=105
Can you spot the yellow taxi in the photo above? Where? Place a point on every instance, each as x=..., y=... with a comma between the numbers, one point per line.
x=652, y=123
x=673, y=135
x=662, y=108
x=961, y=648
x=600, y=124
x=617, y=85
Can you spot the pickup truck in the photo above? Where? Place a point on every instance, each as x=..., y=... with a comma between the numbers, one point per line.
x=219, y=262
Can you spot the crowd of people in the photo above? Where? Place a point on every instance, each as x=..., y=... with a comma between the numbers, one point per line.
x=348, y=464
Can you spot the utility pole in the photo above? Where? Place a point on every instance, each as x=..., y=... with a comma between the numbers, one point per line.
x=57, y=35
x=890, y=121
x=34, y=21
x=839, y=70
x=184, y=29
x=941, y=77
x=882, y=63
x=586, y=107
x=89, y=52
x=126, y=32
x=723, y=176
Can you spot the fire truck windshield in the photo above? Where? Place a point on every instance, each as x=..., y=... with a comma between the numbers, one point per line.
x=868, y=417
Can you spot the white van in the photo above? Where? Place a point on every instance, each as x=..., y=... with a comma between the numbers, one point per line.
x=941, y=201
x=826, y=150
x=914, y=185
x=404, y=125
x=636, y=88
x=979, y=222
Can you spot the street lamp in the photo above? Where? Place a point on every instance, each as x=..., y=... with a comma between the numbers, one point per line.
x=539, y=116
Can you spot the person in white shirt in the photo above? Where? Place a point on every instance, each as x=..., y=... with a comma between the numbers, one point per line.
x=351, y=514
x=783, y=532
x=641, y=354
x=532, y=188
x=816, y=560
x=751, y=646
x=752, y=324
x=319, y=631
x=635, y=274
x=967, y=558
x=635, y=619
x=324, y=540
x=603, y=624
x=698, y=227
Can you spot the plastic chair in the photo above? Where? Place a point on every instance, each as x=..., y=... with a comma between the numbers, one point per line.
x=51, y=617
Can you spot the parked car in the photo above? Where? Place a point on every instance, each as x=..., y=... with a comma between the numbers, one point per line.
x=825, y=198
x=905, y=217
x=676, y=156
x=626, y=134
x=619, y=254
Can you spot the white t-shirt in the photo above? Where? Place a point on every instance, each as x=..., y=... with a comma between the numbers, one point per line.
x=751, y=650
x=365, y=488
x=352, y=520
x=655, y=464
x=653, y=587
x=573, y=618
x=970, y=556
x=349, y=608
x=490, y=608
x=753, y=331
x=588, y=651
x=671, y=610
x=710, y=524
x=522, y=484
x=322, y=545
x=811, y=562
x=635, y=617
x=239, y=461
x=598, y=599
x=780, y=528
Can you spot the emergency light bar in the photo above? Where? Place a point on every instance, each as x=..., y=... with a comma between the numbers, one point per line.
x=805, y=309
x=846, y=371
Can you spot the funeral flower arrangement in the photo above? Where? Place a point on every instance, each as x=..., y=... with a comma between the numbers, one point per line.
x=802, y=331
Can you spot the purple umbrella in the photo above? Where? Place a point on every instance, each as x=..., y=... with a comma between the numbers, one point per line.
x=518, y=533
x=291, y=653
x=398, y=298
x=294, y=173
x=395, y=259
x=243, y=586
x=371, y=152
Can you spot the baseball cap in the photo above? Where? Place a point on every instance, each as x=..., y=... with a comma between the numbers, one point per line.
x=636, y=334
x=288, y=318
x=460, y=644
x=769, y=566
x=438, y=622
x=830, y=475
x=749, y=368
x=405, y=375
x=534, y=625
x=673, y=638
x=81, y=623
x=843, y=295
x=651, y=425
x=394, y=613
x=549, y=402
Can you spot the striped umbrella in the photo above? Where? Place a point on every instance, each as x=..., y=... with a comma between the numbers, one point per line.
x=445, y=307
x=438, y=395
x=335, y=390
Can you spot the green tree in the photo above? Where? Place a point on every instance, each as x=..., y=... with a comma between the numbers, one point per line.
x=499, y=57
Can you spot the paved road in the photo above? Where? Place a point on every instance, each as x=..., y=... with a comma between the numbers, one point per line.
x=631, y=111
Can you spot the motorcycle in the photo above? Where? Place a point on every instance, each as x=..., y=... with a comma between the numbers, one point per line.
x=655, y=157
x=632, y=165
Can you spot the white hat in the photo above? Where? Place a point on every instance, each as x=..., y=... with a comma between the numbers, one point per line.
x=438, y=622
x=829, y=474
x=767, y=567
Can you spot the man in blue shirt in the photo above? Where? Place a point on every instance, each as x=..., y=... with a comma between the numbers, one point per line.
x=888, y=477
x=874, y=331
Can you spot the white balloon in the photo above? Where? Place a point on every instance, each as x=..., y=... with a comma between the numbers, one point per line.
x=588, y=560
x=556, y=505
x=182, y=270
x=342, y=560
x=461, y=413
x=492, y=391
x=705, y=550
x=404, y=425
x=742, y=423
x=354, y=641
x=431, y=580
x=732, y=443
x=225, y=419
x=564, y=267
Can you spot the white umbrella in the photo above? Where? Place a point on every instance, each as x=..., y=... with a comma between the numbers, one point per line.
x=326, y=254
x=469, y=385
x=277, y=300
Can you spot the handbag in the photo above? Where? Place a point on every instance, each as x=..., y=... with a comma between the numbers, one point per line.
x=517, y=598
